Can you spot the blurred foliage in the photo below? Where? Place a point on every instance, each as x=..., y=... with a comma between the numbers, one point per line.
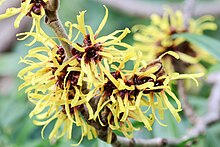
x=17, y=130
x=203, y=42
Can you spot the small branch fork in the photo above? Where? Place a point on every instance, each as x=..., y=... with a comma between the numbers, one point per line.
x=188, y=111
x=200, y=123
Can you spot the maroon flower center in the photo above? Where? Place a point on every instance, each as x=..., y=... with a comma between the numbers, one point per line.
x=72, y=77
x=91, y=51
x=36, y=9
x=109, y=86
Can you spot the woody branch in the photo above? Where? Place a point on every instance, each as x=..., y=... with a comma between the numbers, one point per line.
x=52, y=20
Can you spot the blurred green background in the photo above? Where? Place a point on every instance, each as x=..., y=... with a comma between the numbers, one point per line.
x=17, y=129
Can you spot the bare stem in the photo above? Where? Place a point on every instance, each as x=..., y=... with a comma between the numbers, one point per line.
x=54, y=22
x=125, y=142
x=214, y=100
x=188, y=111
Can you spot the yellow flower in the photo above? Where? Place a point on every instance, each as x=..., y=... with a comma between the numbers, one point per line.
x=28, y=7
x=96, y=53
x=156, y=39
x=142, y=92
x=53, y=86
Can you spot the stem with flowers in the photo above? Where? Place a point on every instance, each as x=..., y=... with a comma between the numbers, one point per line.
x=53, y=21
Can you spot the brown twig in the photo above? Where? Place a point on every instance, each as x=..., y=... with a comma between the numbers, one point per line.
x=214, y=100
x=54, y=22
x=190, y=114
x=144, y=9
x=211, y=117
x=125, y=142
x=102, y=131
x=188, y=111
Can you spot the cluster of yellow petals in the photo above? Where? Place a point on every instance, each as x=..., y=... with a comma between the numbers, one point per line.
x=156, y=38
x=41, y=80
x=141, y=95
x=57, y=86
x=25, y=9
x=95, y=69
x=52, y=102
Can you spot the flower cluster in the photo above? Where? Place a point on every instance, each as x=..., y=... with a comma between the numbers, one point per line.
x=157, y=38
x=32, y=8
x=59, y=87
x=52, y=86
x=141, y=95
x=62, y=89
x=94, y=53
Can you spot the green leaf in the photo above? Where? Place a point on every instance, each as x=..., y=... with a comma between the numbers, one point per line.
x=200, y=143
x=173, y=129
x=9, y=64
x=198, y=103
x=214, y=68
x=206, y=43
x=212, y=135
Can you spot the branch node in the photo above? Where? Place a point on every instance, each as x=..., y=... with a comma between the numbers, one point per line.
x=164, y=142
x=52, y=5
